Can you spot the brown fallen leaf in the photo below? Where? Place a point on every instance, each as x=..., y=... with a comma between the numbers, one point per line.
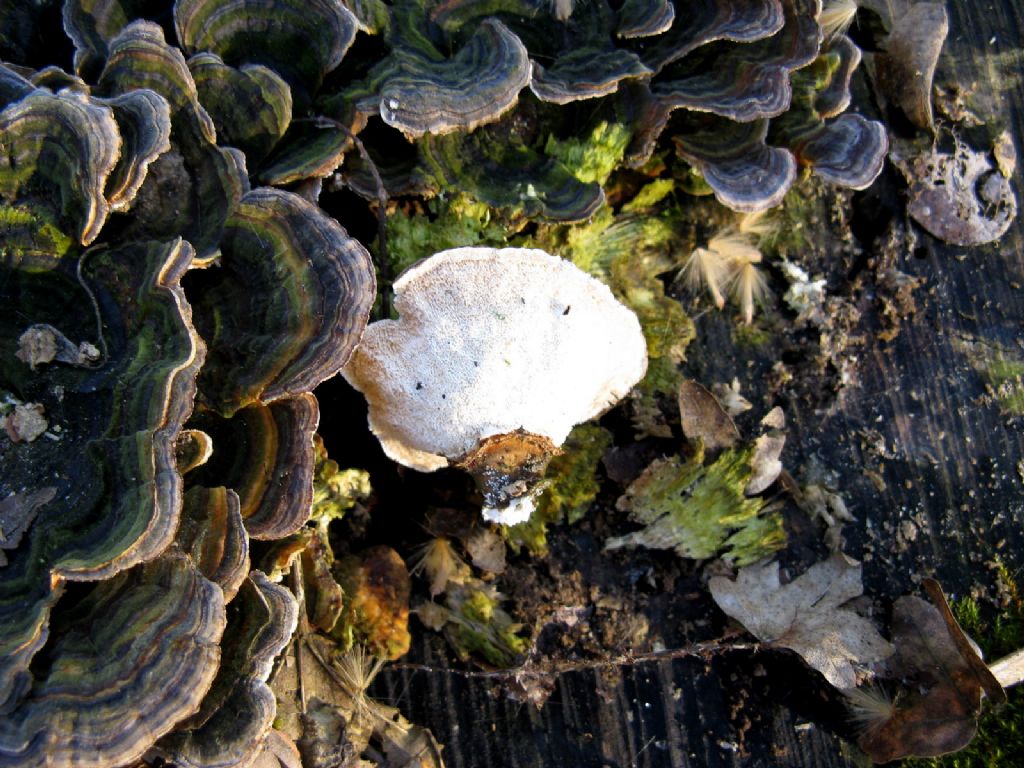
x=807, y=615
x=486, y=549
x=701, y=416
x=323, y=706
x=904, y=72
x=942, y=678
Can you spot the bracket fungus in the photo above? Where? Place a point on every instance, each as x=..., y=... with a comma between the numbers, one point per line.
x=496, y=355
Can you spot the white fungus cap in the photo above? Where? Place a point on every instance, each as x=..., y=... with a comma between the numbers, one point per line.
x=490, y=341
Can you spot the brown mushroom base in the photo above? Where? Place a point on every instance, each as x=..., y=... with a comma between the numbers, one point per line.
x=508, y=469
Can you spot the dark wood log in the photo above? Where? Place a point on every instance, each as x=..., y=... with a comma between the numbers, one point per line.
x=927, y=463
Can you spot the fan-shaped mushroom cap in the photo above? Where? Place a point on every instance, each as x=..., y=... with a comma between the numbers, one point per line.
x=497, y=354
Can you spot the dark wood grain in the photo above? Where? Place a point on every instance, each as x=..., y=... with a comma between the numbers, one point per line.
x=914, y=440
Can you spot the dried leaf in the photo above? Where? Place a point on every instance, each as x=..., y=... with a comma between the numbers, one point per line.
x=765, y=465
x=24, y=423
x=806, y=615
x=43, y=344
x=702, y=417
x=905, y=71
x=730, y=398
x=487, y=550
x=944, y=679
x=17, y=512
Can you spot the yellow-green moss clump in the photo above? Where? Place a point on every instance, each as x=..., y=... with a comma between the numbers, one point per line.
x=593, y=157
x=447, y=222
x=701, y=511
x=475, y=623
x=572, y=485
x=335, y=490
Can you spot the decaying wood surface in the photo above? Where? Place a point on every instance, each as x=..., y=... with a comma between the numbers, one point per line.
x=928, y=465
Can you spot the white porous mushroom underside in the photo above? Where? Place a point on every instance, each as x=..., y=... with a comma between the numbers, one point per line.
x=489, y=341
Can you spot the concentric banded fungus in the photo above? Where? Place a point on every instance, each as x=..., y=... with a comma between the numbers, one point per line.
x=251, y=107
x=212, y=533
x=479, y=84
x=92, y=24
x=300, y=41
x=496, y=355
x=236, y=715
x=267, y=459
x=743, y=171
x=644, y=18
x=850, y=150
x=746, y=82
x=145, y=124
x=119, y=493
x=204, y=180
x=125, y=665
x=286, y=306
x=585, y=75
x=63, y=143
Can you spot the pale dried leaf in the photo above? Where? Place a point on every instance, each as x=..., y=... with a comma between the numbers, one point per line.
x=17, y=512
x=1005, y=153
x=25, y=422
x=774, y=419
x=43, y=343
x=487, y=550
x=728, y=395
x=765, y=464
x=904, y=72
x=806, y=615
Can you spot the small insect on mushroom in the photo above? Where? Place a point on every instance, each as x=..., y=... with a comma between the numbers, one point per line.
x=491, y=328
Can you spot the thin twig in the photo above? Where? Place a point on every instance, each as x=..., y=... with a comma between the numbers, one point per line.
x=303, y=629
x=528, y=669
x=95, y=306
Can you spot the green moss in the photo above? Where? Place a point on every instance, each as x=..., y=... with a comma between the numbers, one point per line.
x=335, y=490
x=750, y=335
x=447, y=223
x=30, y=233
x=650, y=195
x=478, y=626
x=701, y=511
x=1002, y=369
x=1005, y=376
x=631, y=253
x=1000, y=738
x=594, y=157
x=572, y=485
